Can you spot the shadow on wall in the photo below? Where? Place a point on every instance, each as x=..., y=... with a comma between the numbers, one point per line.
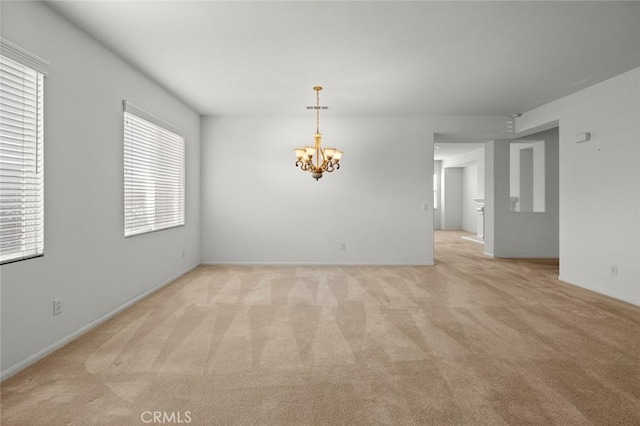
x=521, y=212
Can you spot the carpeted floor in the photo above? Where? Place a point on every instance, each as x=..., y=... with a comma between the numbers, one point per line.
x=470, y=341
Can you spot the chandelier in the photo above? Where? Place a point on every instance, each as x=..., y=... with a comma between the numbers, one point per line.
x=316, y=159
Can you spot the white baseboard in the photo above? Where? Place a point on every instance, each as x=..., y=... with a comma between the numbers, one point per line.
x=15, y=368
x=520, y=256
x=234, y=263
x=599, y=291
x=473, y=238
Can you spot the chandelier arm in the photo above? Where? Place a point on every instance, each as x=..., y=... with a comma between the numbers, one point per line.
x=304, y=166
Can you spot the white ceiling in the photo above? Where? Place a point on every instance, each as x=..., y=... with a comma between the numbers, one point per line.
x=418, y=58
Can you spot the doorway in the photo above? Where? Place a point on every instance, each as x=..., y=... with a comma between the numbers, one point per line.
x=459, y=190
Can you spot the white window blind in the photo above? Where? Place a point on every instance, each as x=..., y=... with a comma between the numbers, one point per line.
x=21, y=159
x=153, y=174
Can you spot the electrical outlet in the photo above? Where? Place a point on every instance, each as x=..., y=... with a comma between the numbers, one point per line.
x=57, y=306
x=425, y=207
x=614, y=270
x=183, y=254
x=343, y=246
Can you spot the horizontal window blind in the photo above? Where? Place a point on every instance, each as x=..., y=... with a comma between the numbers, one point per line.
x=153, y=176
x=21, y=161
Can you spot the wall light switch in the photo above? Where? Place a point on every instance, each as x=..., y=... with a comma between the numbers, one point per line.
x=425, y=207
x=57, y=306
x=582, y=137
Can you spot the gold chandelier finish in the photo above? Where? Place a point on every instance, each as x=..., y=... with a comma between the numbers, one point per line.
x=316, y=159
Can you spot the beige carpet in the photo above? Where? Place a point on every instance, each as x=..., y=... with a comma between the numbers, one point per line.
x=469, y=341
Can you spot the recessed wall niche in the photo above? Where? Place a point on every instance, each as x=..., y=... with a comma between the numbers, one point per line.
x=527, y=176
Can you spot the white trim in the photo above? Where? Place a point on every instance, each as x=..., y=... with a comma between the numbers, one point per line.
x=152, y=118
x=599, y=291
x=520, y=256
x=18, y=54
x=17, y=367
x=230, y=263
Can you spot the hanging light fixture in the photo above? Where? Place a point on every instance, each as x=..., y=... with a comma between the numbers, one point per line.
x=316, y=159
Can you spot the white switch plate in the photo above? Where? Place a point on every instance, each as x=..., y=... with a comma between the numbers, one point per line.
x=57, y=306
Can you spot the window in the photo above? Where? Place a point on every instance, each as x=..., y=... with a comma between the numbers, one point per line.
x=21, y=154
x=153, y=173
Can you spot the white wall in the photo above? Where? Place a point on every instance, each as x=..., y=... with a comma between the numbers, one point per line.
x=469, y=192
x=599, y=184
x=452, y=191
x=437, y=170
x=258, y=207
x=520, y=234
x=87, y=262
x=526, y=180
x=527, y=175
x=475, y=157
x=489, y=196
x=539, y=176
x=473, y=163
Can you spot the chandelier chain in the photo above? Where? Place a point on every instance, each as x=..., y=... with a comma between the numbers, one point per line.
x=317, y=111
